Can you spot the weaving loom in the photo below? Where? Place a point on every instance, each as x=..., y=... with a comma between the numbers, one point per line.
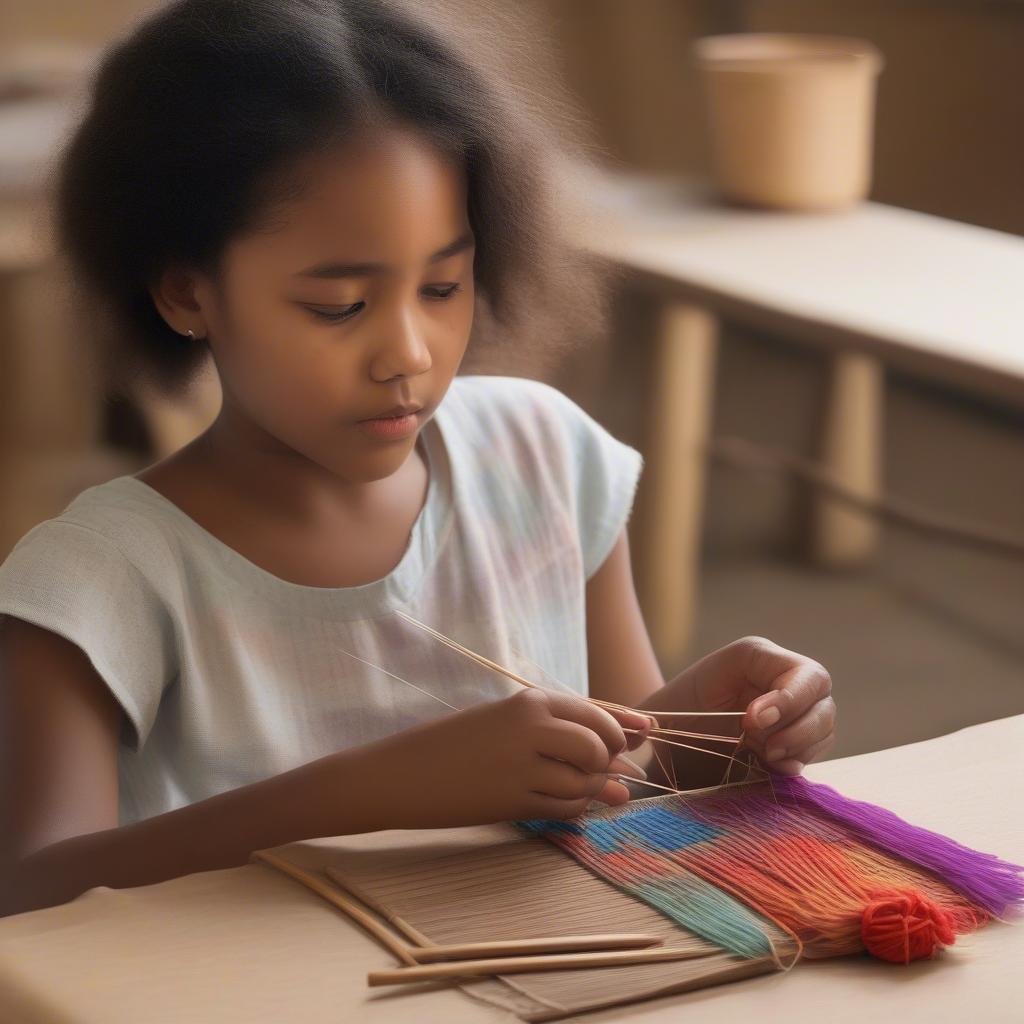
x=838, y=876
x=738, y=879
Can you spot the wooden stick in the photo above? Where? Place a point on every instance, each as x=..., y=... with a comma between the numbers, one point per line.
x=525, y=964
x=686, y=714
x=424, y=950
x=342, y=902
x=509, y=674
x=472, y=655
x=413, y=955
x=501, y=670
x=523, y=947
x=661, y=734
x=644, y=782
x=697, y=735
x=690, y=746
x=414, y=936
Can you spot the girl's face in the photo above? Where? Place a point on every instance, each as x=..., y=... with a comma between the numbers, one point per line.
x=357, y=299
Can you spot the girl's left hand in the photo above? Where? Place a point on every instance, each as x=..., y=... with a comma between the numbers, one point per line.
x=790, y=717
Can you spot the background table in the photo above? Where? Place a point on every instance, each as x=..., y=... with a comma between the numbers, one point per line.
x=871, y=286
x=250, y=945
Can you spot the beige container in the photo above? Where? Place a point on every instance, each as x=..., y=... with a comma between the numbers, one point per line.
x=791, y=117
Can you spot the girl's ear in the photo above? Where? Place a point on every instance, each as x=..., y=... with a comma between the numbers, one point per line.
x=174, y=295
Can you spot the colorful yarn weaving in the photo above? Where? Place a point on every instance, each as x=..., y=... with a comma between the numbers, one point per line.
x=839, y=875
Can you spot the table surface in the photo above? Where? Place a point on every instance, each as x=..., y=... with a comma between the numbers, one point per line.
x=248, y=944
x=935, y=296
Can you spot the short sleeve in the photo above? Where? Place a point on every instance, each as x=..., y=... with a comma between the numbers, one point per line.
x=603, y=477
x=74, y=581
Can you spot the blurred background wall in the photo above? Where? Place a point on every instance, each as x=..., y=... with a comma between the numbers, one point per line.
x=926, y=638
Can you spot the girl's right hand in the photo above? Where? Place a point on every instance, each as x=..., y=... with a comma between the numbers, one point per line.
x=537, y=754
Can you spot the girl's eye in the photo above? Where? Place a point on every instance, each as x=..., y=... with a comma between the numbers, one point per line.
x=443, y=293
x=350, y=311
x=334, y=318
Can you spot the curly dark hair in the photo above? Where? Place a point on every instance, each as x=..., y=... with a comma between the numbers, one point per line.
x=195, y=117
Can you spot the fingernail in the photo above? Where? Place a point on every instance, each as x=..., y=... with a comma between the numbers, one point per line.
x=768, y=716
x=774, y=753
x=623, y=760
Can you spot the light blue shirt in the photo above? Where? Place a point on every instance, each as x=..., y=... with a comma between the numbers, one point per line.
x=228, y=674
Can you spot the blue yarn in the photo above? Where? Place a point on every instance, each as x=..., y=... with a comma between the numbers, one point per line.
x=540, y=826
x=655, y=825
x=708, y=912
x=686, y=898
x=661, y=828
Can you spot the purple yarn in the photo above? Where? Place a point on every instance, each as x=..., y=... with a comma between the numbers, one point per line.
x=990, y=882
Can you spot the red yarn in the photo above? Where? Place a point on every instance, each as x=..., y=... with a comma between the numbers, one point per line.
x=905, y=926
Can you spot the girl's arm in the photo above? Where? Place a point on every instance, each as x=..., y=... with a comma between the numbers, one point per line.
x=547, y=755
x=59, y=729
x=789, y=716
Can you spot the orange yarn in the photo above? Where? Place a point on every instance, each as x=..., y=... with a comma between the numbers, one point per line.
x=905, y=926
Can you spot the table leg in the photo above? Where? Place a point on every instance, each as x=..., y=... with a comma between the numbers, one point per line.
x=851, y=453
x=681, y=403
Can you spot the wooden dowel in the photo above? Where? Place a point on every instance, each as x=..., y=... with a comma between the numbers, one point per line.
x=523, y=947
x=690, y=714
x=430, y=952
x=509, y=674
x=412, y=934
x=696, y=735
x=690, y=746
x=472, y=655
x=644, y=782
x=526, y=964
x=342, y=902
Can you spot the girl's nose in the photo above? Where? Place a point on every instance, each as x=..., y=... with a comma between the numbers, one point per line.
x=403, y=352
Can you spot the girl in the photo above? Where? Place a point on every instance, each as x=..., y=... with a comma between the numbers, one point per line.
x=332, y=200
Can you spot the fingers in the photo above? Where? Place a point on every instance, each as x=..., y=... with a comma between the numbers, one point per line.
x=623, y=765
x=806, y=732
x=795, y=765
x=794, y=720
x=564, y=781
x=575, y=709
x=614, y=793
x=792, y=683
x=579, y=744
x=805, y=757
x=575, y=744
x=791, y=761
x=543, y=805
x=637, y=737
x=636, y=726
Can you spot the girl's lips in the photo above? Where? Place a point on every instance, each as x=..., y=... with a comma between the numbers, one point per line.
x=391, y=428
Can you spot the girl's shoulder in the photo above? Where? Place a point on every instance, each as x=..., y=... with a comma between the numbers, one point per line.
x=115, y=546
x=524, y=449
x=100, y=575
x=529, y=414
x=115, y=520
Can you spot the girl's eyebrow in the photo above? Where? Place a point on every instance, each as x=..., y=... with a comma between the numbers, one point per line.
x=333, y=270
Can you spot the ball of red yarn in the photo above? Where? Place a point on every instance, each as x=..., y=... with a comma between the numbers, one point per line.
x=904, y=926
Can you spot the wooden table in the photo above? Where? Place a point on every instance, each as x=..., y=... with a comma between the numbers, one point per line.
x=250, y=945
x=873, y=286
